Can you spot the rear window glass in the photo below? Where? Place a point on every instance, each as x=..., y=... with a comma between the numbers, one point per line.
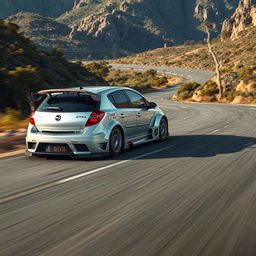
x=119, y=99
x=69, y=102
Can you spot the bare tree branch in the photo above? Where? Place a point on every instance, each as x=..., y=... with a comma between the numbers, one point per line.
x=216, y=61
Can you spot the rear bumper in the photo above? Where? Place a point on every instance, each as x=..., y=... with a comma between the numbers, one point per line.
x=76, y=145
x=74, y=156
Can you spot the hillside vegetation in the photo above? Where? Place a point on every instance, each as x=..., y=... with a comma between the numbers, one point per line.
x=235, y=54
x=25, y=68
x=47, y=33
x=141, y=81
x=238, y=66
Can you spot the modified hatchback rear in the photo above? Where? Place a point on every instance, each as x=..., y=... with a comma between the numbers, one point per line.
x=84, y=122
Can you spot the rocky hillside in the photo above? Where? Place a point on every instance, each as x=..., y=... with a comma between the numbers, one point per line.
x=236, y=48
x=154, y=23
x=243, y=18
x=236, y=51
x=118, y=24
x=232, y=53
x=48, y=33
x=25, y=68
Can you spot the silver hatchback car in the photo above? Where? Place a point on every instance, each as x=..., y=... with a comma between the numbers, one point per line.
x=90, y=121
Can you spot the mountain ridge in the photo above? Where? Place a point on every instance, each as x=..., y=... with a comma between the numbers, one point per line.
x=118, y=24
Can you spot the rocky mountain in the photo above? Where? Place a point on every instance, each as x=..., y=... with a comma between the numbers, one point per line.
x=162, y=21
x=244, y=17
x=124, y=26
x=48, y=33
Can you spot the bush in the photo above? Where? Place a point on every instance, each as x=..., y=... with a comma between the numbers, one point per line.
x=158, y=81
x=186, y=90
x=246, y=94
x=210, y=88
x=100, y=69
x=140, y=81
x=247, y=72
x=230, y=94
x=151, y=72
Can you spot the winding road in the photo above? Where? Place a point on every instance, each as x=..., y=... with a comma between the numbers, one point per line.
x=194, y=194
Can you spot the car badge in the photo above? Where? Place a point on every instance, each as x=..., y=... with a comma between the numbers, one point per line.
x=58, y=117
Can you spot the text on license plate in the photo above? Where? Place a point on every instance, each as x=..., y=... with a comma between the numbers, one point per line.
x=56, y=149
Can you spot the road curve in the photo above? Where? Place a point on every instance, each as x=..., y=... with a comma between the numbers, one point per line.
x=195, y=75
x=193, y=194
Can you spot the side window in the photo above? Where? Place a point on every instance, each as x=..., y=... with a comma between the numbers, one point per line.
x=137, y=101
x=119, y=99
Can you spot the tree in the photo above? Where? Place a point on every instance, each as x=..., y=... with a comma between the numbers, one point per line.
x=4, y=89
x=24, y=80
x=208, y=26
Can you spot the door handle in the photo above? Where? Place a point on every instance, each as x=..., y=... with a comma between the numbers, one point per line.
x=138, y=114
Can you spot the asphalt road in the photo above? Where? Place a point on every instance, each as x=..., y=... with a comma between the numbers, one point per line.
x=194, y=194
x=195, y=75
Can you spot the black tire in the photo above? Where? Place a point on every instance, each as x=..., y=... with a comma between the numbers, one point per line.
x=163, y=130
x=116, y=142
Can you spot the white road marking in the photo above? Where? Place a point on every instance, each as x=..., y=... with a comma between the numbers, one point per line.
x=226, y=126
x=213, y=132
x=65, y=180
x=253, y=109
x=112, y=165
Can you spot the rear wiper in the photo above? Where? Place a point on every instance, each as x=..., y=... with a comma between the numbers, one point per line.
x=53, y=108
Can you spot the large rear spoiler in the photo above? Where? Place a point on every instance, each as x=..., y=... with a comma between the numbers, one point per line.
x=95, y=96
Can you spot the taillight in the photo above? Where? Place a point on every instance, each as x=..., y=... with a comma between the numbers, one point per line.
x=95, y=118
x=32, y=120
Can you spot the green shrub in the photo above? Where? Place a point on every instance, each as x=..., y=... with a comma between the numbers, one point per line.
x=247, y=72
x=151, y=72
x=230, y=94
x=247, y=94
x=140, y=81
x=100, y=69
x=190, y=86
x=158, y=81
x=186, y=90
x=210, y=88
x=251, y=77
x=184, y=95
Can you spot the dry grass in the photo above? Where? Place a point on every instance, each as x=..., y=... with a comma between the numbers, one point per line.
x=234, y=54
x=18, y=125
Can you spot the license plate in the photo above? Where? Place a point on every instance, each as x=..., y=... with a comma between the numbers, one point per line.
x=56, y=149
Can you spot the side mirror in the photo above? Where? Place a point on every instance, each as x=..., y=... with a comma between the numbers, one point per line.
x=152, y=105
x=36, y=97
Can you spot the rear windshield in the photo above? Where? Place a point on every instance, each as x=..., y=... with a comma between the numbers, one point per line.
x=69, y=103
